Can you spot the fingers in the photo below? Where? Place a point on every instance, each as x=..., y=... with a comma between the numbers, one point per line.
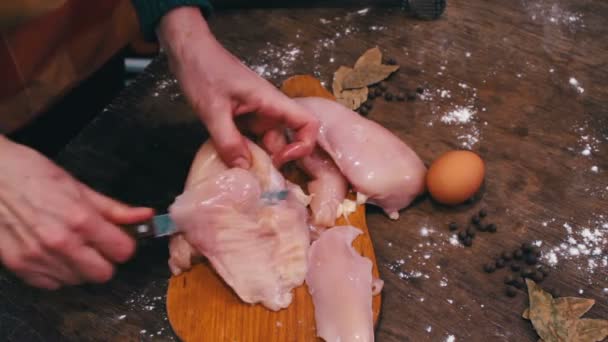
x=32, y=263
x=41, y=281
x=115, y=211
x=90, y=264
x=303, y=123
x=74, y=261
x=228, y=141
x=111, y=242
x=274, y=141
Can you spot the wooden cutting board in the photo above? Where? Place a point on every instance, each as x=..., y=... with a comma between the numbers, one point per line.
x=201, y=307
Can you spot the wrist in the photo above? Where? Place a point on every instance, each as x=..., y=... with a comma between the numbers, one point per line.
x=181, y=26
x=151, y=12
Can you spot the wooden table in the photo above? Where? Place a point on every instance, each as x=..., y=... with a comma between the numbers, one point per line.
x=533, y=72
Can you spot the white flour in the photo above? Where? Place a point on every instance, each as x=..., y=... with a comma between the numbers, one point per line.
x=574, y=82
x=273, y=60
x=460, y=114
x=585, y=244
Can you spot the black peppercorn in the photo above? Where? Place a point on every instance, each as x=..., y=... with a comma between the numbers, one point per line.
x=537, y=277
x=518, y=254
x=526, y=272
x=468, y=241
x=511, y=291
x=471, y=232
x=531, y=259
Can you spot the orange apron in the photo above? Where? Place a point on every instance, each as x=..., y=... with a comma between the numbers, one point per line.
x=49, y=46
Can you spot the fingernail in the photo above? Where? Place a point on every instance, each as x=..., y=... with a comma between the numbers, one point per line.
x=241, y=162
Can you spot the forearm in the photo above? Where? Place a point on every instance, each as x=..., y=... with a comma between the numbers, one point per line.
x=183, y=27
x=152, y=12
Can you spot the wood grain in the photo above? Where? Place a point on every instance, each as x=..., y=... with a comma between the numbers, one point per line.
x=201, y=307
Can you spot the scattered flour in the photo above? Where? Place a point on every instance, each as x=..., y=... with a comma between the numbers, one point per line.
x=429, y=329
x=588, y=144
x=425, y=231
x=460, y=114
x=574, y=82
x=550, y=13
x=595, y=169
x=273, y=60
x=450, y=338
x=585, y=243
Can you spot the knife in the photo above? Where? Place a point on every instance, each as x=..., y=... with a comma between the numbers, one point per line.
x=157, y=226
x=163, y=225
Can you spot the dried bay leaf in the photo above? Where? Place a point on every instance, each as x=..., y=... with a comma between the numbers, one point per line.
x=354, y=98
x=367, y=75
x=592, y=330
x=558, y=320
x=371, y=56
x=339, y=78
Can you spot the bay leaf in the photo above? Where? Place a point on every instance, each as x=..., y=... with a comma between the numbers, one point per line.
x=339, y=76
x=367, y=74
x=371, y=56
x=590, y=330
x=558, y=320
x=573, y=307
x=353, y=98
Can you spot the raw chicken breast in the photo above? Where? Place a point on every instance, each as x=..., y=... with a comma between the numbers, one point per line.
x=340, y=282
x=376, y=162
x=327, y=188
x=258, y=249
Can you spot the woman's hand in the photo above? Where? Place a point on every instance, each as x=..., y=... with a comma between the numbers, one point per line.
x=219, y=88
x=55, y=230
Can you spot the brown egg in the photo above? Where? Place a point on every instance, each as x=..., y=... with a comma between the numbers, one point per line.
x=455, y=176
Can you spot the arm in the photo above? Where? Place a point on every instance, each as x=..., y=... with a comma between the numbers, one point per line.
x=220, y=88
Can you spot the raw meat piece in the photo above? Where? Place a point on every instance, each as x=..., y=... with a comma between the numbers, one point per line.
x=258, y=249
x=376, y=162
x=327, y=188
x=340, y=282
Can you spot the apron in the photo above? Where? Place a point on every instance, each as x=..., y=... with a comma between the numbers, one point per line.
x=48, y=46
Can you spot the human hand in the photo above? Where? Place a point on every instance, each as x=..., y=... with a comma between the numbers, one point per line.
x=219, y=88
x=54, y=230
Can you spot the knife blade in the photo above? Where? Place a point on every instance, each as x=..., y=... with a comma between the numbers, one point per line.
x=163, y=225
x=157, y=226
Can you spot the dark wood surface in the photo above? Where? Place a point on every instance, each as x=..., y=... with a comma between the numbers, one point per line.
x=516, y=59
